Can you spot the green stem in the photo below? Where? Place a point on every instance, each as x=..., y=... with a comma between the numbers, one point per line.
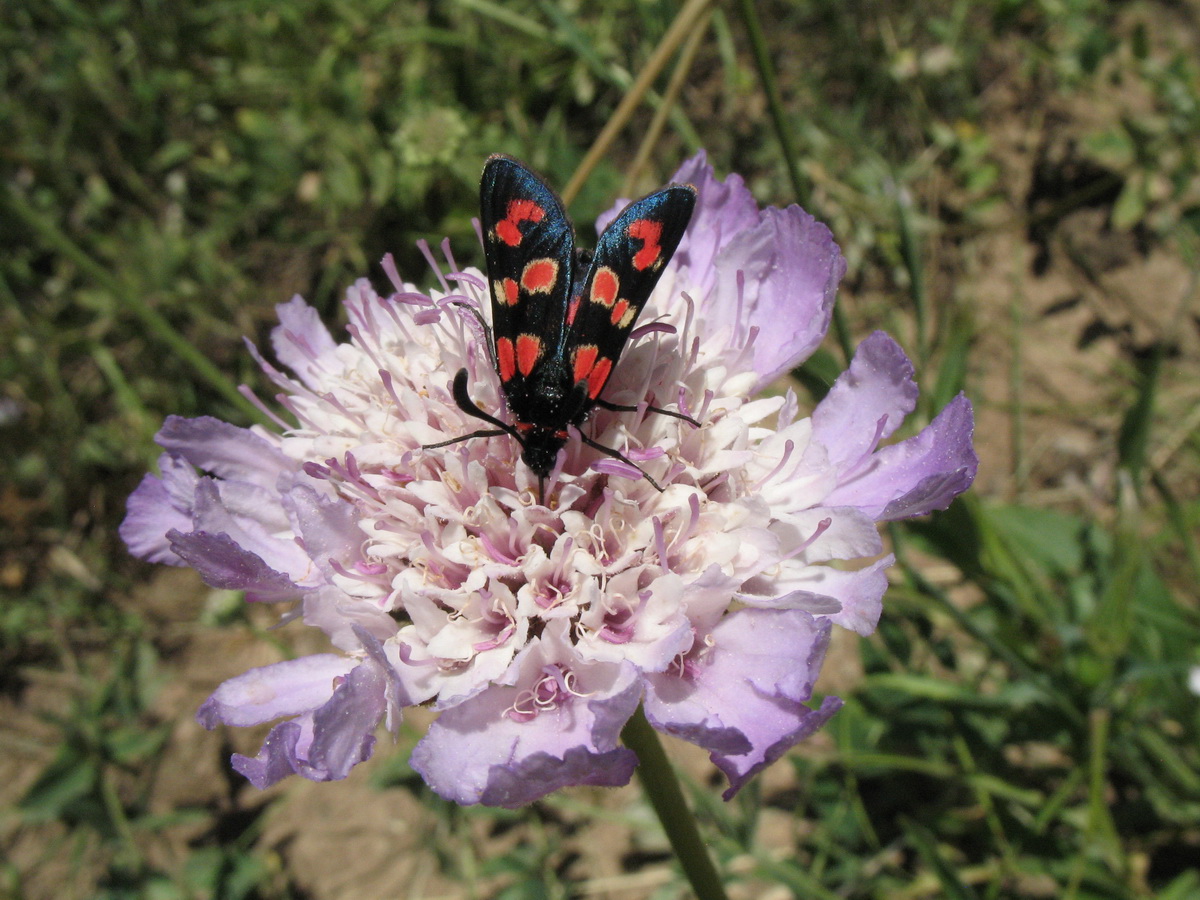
x=662, y=787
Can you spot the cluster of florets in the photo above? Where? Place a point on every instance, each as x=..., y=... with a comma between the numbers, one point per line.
x=537, y=628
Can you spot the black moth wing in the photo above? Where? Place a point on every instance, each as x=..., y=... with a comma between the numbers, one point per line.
x=529, y=246
x=629, y=259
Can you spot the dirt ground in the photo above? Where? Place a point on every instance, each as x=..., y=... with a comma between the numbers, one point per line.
x=1063, y=304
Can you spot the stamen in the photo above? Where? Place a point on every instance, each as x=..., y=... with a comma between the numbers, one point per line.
x=821, y=528
x=689, y=315
x=645, y=453
x=740, y=278
x=864, y=461
x=289, y=403
x=406, y=656
x=401, y=324
x=494, y=552
x=606, y=465
x=660, y=542
x=365, y=313
x=356, y=576
x=693, y=519
x=651, y=328
x=423, y=246
x=355, y=332
x=246, y=392
x=390, y=270
x=334, y=401
x=788, y=447
x=681, y=402
x=316, y=470
x=449, y=256
x=385, y=378
x=277, y=378
x=467, y=278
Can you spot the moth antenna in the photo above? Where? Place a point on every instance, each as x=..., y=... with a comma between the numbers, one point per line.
x=620, y=407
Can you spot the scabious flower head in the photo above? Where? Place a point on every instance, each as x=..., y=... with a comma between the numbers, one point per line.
x=536, y=628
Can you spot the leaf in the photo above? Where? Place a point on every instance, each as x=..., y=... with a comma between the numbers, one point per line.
x=1049, y=538
x=68, y=779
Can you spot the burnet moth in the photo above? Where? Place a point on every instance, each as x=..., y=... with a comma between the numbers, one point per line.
x=561, y=316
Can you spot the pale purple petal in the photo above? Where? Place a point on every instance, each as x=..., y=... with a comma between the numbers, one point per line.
x=212, y=516
x=223, y=564
x=326, y=743
x=918, y=475
x=867, y=403
x=723, y=209
x=342, y=616
x=851, y=599
x=327, y=526
x=301, y=340
x=343, y=728
x=476, y=753
x=395, y=695
x=790, y=267
x=149, y=516
x=224, y=450
x=278, y=758
x=286, y=688
x=745, y=699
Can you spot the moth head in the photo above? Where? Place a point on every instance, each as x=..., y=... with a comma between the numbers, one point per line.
x=539, y=449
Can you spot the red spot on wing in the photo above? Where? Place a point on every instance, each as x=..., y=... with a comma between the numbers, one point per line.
x=539, y=276
x=605, y=285
x=648, y=231
x=506, y=291
x=572, y=310
x=585, y=360
x=619, y=311
x=505, y=359
x=529, y=351
x=599, y=376
x=508, y=229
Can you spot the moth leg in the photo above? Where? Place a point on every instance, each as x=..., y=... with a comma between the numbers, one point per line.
x=617, y=454
x=489, y=432
x=620, y=407
x=463, y=400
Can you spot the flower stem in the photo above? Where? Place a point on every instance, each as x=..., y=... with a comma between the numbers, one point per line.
x=662, y=787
